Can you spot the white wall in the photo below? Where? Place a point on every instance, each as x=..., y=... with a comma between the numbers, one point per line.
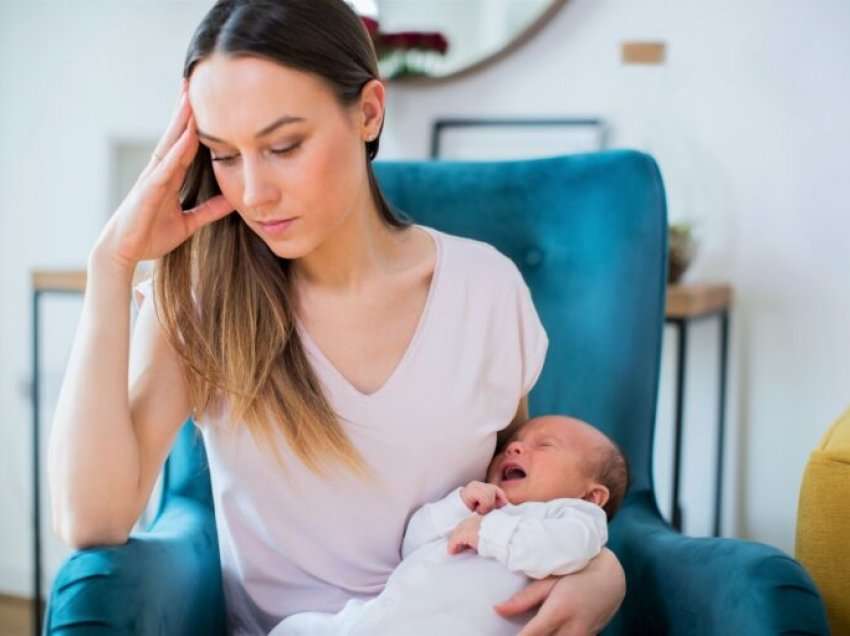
x=747, y=118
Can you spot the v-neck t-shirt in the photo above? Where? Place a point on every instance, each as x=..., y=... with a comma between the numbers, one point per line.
x=300, y=542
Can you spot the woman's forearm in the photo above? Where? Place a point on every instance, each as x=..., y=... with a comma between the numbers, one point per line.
x=582, y=603
x=606, y=575
x=93, y=455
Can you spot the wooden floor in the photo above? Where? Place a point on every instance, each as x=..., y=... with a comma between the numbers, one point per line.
x=15, y=616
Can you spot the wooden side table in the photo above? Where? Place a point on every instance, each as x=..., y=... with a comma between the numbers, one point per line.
x=45, y=282
x=685, y=304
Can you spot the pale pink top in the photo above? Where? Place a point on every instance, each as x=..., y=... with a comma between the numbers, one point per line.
x=299, y=543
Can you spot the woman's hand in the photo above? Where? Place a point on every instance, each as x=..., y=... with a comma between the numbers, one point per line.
x=150, y=221
x=577, y=604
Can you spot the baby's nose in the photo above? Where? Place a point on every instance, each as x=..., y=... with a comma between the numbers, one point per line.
x=514, y=448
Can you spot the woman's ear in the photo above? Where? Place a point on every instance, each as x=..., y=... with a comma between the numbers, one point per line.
x=371, y=108
x=598, y=494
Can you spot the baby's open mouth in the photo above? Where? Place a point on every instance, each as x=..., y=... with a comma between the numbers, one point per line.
x=512, y=473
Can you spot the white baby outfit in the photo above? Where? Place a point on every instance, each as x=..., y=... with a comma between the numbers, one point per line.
x=434, y=592
x=298, y=542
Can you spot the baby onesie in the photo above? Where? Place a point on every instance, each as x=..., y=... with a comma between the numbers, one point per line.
x=434, y=592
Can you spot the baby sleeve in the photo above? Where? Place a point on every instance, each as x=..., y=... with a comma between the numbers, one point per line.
x=433, y=521
x=544, y=538
x=527, y=333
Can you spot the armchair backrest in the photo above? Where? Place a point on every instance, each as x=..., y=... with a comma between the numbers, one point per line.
x=589, y=234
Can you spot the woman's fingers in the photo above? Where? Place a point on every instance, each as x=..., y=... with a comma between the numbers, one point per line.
x=210, y=210
x=528, y=597
x=538, y=626
x=551, y=623
x=175, y=128
x=550, y=619
x=178, y=122
x=172, y=169
x=559, y=614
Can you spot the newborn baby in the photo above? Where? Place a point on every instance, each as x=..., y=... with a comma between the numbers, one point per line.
x=551, y=490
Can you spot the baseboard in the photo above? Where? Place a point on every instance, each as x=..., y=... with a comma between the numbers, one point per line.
x=17, y=582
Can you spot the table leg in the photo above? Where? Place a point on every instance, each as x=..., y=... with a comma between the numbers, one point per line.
x=721, y=421
x=36, y=470
x=681, y=358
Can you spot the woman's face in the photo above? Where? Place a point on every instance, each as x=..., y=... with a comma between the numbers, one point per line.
x=282, y=147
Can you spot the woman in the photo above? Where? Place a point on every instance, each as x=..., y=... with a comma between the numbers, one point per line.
x=304, y=325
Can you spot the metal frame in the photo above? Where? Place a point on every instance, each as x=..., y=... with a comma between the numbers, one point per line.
x=37, y=605
x=681, y=325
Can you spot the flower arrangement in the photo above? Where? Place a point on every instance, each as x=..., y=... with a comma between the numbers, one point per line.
x=405, y=53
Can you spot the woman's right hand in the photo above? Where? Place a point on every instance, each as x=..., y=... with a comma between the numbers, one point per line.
x=150, y=221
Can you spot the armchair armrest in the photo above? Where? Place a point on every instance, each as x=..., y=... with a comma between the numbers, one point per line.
x=163, y=581
x=683, y=585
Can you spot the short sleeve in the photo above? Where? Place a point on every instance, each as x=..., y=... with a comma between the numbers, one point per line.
x=141, y=291
x=530, y=334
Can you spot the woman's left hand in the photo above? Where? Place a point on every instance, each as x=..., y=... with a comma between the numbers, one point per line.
x=579, y=604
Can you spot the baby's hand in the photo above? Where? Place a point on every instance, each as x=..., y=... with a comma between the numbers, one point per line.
x=482, y=498
x=465, y=535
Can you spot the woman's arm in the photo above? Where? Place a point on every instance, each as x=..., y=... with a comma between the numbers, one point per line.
x=116, y=416
x=573, y=605
x=93, y=457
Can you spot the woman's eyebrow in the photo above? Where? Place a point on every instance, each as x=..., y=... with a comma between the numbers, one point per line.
x=277, y=123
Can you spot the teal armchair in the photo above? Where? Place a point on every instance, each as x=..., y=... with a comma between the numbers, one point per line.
x=588, y=233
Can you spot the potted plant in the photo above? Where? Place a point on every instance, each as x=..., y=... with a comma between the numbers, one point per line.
x=681, y=247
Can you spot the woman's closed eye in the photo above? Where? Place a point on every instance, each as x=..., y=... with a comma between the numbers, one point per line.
x=278, y=151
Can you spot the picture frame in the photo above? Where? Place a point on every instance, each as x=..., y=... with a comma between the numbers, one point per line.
x=494, y=138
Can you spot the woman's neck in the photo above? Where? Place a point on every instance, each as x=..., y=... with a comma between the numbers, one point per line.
x=356, y=253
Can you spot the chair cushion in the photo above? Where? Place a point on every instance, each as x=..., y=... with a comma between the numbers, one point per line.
x=823, y=519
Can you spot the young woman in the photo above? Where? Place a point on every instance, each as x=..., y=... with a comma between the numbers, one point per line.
x=343, y=364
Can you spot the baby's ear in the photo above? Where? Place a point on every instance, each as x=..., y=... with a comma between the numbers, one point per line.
x=598, y=494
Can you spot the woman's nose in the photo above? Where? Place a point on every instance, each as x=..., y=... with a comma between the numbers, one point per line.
x=258, y=190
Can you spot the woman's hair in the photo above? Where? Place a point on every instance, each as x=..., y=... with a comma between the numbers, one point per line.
x=236, y=337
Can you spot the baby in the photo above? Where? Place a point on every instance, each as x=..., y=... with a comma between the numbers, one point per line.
x=550, y=491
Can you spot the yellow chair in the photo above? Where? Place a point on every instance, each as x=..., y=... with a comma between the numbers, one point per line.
x=823, y=522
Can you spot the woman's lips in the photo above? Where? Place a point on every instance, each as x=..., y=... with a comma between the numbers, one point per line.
x=277, y=227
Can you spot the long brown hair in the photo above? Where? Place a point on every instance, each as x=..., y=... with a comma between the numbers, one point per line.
x=237, y=337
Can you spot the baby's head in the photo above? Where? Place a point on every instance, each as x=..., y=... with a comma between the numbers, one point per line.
x=554, y=457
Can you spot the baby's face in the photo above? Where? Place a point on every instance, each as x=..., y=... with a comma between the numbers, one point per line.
x=550, y=457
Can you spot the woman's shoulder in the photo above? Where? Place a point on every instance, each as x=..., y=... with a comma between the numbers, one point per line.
x=477, y=257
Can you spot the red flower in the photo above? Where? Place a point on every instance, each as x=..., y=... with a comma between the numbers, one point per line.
x=371, y=25
x=427, y=40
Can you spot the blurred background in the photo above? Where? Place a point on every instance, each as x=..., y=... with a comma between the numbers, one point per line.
x=743, y=105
